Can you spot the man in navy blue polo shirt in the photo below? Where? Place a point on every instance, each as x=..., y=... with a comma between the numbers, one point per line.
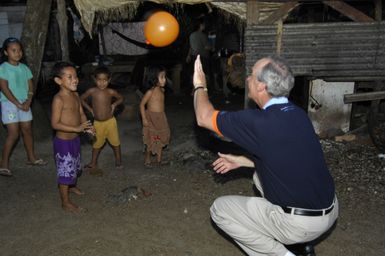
x=298, y=201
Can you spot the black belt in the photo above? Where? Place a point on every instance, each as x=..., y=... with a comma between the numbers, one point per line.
x=304, y=212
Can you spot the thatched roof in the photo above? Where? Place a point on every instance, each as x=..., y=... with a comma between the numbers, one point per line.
x=127, y=8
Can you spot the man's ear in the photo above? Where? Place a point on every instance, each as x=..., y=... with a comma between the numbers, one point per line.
x=261, y=86
x=57, y=80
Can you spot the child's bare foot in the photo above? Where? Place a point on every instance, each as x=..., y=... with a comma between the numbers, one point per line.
x=70, y=207
x=147, y=161
x=119, y=166
x=147, y=164
x=147, y=158
x=76, y=191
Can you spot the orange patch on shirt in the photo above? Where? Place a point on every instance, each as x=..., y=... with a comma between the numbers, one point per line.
x=214, y=122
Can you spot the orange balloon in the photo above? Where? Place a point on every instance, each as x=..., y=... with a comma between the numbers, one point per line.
x=161, y=29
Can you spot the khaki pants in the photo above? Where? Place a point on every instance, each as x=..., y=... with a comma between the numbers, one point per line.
x=261, y=228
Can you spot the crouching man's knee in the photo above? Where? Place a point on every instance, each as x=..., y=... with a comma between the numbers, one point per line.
x=218, y=210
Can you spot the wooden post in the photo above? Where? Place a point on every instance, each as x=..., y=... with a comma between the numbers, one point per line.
x=378, y=10
x=33, y=37
x=34, y=34
x=375, y=120
x=279, y=37
x=62, y=20
x=252, y=12
x=252, y=18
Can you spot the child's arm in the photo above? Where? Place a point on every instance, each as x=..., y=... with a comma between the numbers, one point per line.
x=27, y=103
x=7, y=92
x=84, y=102
x=142, y=106
x=57, y=107
x=89, y=128
x=119, y=99
x=83, y=117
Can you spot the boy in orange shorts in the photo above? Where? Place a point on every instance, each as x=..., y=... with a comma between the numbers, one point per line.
x=104, y=101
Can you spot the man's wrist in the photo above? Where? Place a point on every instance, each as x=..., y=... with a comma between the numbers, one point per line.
x=199, y=85
x=196, y=88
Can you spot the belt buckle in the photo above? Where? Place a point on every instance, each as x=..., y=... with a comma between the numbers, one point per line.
x=305, y=212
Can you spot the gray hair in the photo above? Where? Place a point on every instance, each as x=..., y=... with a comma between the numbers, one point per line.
x=277, y=76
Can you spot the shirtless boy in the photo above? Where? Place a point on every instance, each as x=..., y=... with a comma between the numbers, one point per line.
x=68, y=120
x=104, y=100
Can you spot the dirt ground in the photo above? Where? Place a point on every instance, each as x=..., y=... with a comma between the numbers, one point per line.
x=172, y=216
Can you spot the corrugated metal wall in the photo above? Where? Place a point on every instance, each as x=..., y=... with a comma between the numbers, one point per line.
x=348, y=51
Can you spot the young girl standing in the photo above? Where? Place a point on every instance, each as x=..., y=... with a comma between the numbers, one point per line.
x=156, y=132
x=16, y=96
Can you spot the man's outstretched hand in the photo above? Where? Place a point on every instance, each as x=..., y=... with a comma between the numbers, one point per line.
x=228, y=162
x=225, y=163
x=199, y=78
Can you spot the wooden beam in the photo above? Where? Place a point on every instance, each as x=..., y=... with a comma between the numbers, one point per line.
x=279, y=13
x=34, y=37
x=230, y=1
x=252, y=18
x=34, y=34
x=252, y=12
x=378, y=10
x=62, y=21
x=365, y=96
x=349, y=11
x=279, y=37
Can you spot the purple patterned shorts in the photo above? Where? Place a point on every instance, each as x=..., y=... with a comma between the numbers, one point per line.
x=67, y=159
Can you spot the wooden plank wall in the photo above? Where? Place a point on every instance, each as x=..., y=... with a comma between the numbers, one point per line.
x=344, y=51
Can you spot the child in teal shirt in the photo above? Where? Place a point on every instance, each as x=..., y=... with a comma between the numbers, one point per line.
x=16, y=96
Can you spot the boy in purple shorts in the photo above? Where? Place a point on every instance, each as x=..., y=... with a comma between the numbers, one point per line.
x=68, y=119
